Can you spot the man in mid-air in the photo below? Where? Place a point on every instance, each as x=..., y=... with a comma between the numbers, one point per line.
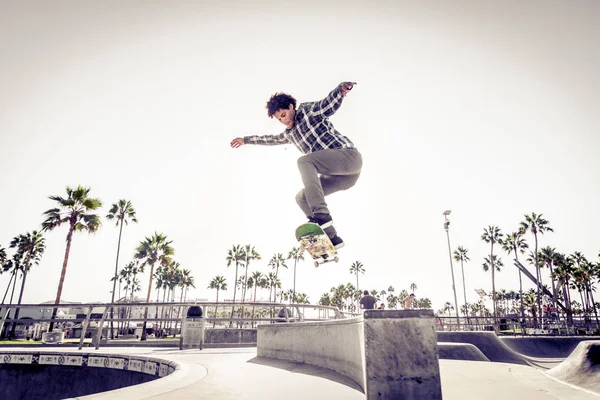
x=330, y=162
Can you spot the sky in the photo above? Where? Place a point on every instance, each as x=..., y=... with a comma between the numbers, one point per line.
x=488, y=109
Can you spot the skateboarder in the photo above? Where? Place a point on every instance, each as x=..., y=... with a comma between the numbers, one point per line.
x=330, y=162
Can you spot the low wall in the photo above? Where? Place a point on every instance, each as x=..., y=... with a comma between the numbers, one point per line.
x=389, y=353
x=334, y=344
x=229, y=336
x=51, y=375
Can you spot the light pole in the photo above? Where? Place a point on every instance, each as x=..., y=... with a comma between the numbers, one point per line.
x=446, y=228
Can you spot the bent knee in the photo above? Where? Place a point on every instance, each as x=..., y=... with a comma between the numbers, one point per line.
x=350, y=182
x=300, y=198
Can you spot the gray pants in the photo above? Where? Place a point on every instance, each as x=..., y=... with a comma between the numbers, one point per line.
x=325, y=172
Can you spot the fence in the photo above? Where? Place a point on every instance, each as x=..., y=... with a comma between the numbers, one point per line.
x=169, y=316
x=520, y=326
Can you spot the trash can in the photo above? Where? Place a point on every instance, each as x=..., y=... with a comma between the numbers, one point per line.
x=55, y=337
x=192, y=330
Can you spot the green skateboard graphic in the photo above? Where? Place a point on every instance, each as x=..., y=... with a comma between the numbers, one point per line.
x=314, y=240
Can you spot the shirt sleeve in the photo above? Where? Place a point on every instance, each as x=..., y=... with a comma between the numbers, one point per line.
x=330, y=104
x=267, y=140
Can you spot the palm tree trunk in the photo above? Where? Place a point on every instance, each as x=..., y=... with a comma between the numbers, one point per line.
x=553, y=289
x=539, y=279
x=255, y=287
x=593, y=305
x=357, y=288
x=14, y=325
x=112, y=336
x=465, y=291
x=216, y=307
x=294, y=290
x=12, y=275
x=143, y=338
x=162, y=310
x=493, y=287
x=63, y=272
x=582, y=302
x=234, y=293
x=520, y=292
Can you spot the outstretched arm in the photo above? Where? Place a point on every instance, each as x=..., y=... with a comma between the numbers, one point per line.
x=330, y=104
x=265, y=140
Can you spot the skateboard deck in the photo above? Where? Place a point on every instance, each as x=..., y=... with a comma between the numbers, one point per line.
x=315, y=241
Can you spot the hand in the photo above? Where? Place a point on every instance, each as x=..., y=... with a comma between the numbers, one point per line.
x=237, y=142
x=346, y=87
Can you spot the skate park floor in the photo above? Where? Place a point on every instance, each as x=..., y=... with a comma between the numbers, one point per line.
x=237, y=373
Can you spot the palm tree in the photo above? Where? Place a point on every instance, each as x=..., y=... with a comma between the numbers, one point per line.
x=530, y=302
x=536, y=224
x=515, y=243
x=564, y=272
x=357, y=268
x=276, y=262
x=255, y=281
x=492, y=234
x=296, y=255
x=187, y=281
x=235, y=256
x=424, y=303
x=548, y=254
x=249, y=254
x=218, y=283
x=30, y=249
x=413, y=287
x=75, y=210
x=584, y=275
x=493, y=263
x=150, y=251
x=122, y=212
x=460, y=254
x=448, y=307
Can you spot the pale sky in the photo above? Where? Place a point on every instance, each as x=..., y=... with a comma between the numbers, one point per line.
x=490, y=109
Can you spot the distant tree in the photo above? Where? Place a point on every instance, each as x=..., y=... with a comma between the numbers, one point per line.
x=122, y=212
x=150, y=251
x=76, y=210
x=536, y=224
x=29, y=251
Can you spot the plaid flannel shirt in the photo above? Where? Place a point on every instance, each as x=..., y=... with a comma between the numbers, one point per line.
x=312, y=130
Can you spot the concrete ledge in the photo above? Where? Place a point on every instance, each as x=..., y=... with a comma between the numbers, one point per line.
x=335, y=344
x=390, y=354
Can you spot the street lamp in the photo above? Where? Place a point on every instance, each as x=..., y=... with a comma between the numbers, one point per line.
x=446, y=228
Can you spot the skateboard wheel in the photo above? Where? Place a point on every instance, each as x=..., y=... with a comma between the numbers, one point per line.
x=316, y=264
x=336, y=259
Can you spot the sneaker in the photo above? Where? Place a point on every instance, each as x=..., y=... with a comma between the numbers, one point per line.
x=337, y=242
x=324, y=220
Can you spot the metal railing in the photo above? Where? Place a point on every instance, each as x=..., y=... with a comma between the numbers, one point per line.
x=515, y=325
x=238, y=315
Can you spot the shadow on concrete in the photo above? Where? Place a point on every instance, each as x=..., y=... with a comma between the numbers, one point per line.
x=307, y=369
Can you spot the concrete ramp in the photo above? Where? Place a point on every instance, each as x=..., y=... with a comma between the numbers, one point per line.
x=582, y=367
x=460, y=351
x=543, y=346
x=488, y=343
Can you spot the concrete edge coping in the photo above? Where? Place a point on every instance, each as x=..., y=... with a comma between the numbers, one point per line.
x=67, y=354
x=397, y=314
x=283, y=324
x=183, y=374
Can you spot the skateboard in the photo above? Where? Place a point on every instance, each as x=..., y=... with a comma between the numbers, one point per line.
x=314, y=240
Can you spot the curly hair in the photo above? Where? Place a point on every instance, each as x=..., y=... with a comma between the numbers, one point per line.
x=279, y=101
